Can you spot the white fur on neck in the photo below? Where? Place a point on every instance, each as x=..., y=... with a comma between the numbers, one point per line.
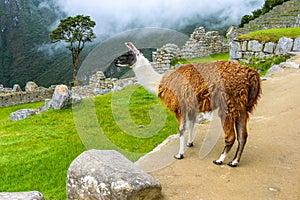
x=146, y=75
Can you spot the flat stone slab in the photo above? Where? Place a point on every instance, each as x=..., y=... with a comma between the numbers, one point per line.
x=33, y=195
x=22, y=114
x=107, y=174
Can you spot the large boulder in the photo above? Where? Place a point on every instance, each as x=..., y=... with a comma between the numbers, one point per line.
x=61, y=97
x=106, y=174
x=22, y=114
x=34, y=195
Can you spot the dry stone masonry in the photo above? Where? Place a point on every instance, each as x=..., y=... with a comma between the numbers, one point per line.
x=163, y=56
x=245, y=49
x=200, y=44
x=99, y=84
x=15, y=96
x=203, y=43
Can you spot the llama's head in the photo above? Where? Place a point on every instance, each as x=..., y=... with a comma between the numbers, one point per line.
x=129, y=58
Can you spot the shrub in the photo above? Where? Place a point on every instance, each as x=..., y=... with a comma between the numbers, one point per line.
x=263, y=64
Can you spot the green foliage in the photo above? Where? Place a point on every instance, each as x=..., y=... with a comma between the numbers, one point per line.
x=271, y=35
x=263, y=64
x=36, y=152
x=268, y=5
x=76, y=31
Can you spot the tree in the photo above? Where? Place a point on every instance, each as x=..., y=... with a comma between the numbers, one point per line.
x=76, y=31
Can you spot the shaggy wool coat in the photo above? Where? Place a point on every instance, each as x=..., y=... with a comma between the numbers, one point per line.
x=229, y=86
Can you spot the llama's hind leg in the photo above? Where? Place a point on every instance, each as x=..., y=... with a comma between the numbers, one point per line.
x=228, y=127
x=190, y=128
x=181, y=129
x=241, y=129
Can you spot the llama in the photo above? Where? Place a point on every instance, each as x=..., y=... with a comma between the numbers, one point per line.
x=230, y=87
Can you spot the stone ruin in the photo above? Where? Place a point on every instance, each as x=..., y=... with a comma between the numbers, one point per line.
x=200, y=44
x=246, y=49
x=15, y=96
x=163, y=56
x=203, y=43
x=99, y=84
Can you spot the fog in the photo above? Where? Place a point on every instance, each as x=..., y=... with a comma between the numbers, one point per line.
x=115, y=16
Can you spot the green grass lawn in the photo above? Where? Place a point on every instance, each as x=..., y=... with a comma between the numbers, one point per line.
x=35, y=153
x=271, y=35
x=220, y=56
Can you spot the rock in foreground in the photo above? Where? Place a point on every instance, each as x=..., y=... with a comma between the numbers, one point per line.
x=106, y=174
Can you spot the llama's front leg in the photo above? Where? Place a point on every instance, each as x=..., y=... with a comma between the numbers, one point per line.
x=228, y=127
x=241, y=129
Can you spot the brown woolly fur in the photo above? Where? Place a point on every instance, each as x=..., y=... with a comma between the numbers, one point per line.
x=229, y=86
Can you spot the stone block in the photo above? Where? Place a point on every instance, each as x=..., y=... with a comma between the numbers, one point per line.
x=244, y=45
x=269, y=47
x=254, y=45
x=16, y=88
x=284, y=45
x=289, y=64
x=296, y=46
x=273, y=70
x=106, y=174
x=31, y=86
x=235, y=51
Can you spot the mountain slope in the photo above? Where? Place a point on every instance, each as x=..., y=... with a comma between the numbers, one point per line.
x=24, y=28
x=281, y=16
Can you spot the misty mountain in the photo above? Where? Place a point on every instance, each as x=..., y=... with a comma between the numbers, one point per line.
x=27, y=55
x=24, y=26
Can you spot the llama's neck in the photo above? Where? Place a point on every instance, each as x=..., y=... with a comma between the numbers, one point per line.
x=146, y=75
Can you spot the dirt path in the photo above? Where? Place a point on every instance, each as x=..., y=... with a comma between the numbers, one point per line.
x=269, y=168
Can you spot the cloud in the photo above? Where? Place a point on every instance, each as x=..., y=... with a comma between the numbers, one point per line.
x=114, y=16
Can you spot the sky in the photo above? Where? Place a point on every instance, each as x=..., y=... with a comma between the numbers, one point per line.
x=114, y=16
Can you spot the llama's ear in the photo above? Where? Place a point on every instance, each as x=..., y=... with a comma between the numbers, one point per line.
x=132, y=48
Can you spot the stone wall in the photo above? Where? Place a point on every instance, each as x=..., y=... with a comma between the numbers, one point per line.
x=163, y=56
x=245, y=49
x=200, y=44
x=9, y=97
x=99, y=84
x=203, y=43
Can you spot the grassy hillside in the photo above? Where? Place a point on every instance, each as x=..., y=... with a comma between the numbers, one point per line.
x=36, y=152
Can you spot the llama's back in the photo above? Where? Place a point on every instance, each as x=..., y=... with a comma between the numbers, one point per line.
x=229, y=86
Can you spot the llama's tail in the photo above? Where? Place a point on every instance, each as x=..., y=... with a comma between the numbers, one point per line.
x=254, y=91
